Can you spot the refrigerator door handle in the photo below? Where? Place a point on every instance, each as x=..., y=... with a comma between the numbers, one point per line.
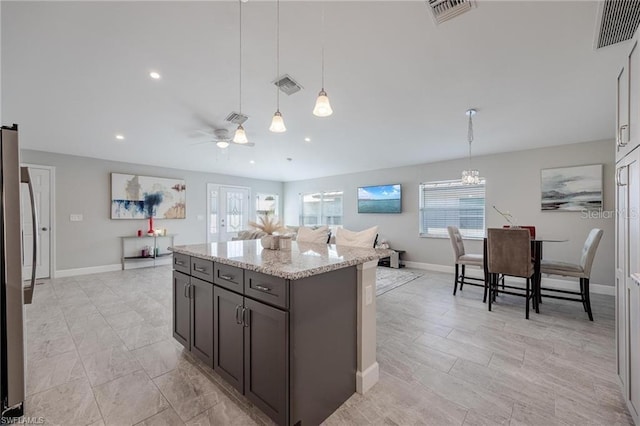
x=26, y=178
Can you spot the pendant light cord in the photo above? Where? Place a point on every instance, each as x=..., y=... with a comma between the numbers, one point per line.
x=240, y=50
x=278, y=55
x=322, y=36
x=470, y=135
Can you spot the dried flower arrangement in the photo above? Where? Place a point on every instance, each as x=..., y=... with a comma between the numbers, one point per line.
x=268, y=224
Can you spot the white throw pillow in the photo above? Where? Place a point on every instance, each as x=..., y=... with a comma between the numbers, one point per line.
x=364, y=239
x=308, y=235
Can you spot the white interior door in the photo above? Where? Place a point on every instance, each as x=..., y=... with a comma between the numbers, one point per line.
x=41, y=181
x=228, y=211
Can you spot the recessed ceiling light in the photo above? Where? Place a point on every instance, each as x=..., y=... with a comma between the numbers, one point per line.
x=252, y=162
x=120, y=137
x=307, y=139
x=154, y=75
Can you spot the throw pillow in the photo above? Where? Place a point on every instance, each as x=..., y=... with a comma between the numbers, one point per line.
x=364, y=239
x=308, y=235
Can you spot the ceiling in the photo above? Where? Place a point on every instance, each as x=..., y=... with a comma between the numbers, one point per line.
x=75, y=74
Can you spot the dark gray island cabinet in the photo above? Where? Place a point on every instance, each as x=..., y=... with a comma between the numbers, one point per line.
x=283, y=333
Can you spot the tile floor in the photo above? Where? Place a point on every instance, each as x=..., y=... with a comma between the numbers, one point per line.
x=100, y=351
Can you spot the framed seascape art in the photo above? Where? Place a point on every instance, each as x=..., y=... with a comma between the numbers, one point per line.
x=571, y=189
x=141, y=197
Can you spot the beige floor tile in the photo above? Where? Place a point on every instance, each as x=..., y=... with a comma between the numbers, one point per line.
x=108, y=364
x=129, y=400
x=160, y=358
x=47, y=373
x=71, y=403
x=167, y=417
x=189, y=391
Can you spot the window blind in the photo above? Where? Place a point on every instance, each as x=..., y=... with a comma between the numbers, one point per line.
x=452, y=203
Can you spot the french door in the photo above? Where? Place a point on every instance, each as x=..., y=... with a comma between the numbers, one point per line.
x=228, y=211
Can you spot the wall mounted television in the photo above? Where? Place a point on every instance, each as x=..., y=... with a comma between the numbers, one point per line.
x=380, y=199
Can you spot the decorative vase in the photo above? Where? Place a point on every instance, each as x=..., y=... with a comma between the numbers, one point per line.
x=270, y=242
x=150, y=231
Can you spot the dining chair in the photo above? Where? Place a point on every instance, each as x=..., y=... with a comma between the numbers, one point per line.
x=531, y=229
x=581, y=270
x=509, y=253
x=461, y=259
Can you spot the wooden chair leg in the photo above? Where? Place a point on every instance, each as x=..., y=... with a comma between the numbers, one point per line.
x=582, y=295
x=486, y=286
x=455, y=281
x=462, y=278
x=527, y=299
x=491, y=277
x=588, y=298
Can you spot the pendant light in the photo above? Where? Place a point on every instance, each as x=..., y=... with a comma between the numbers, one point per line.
x=470, y=176
x=323, y=107
x=277, y=123
x=240, y=136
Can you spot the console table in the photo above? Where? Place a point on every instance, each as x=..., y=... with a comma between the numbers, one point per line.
x=133, y=252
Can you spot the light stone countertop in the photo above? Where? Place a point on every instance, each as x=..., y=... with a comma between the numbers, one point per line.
x=303, y=260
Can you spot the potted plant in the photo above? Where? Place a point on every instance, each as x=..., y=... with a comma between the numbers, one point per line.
x=268, y=225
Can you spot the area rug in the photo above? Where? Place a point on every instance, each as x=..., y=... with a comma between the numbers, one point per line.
x=388, y=278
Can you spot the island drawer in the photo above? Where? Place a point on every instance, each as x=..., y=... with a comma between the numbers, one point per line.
x=266, y=288
x=181, y=263
x=202, y=269
x=228, y=277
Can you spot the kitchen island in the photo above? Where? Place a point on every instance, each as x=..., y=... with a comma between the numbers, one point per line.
x=294, y=331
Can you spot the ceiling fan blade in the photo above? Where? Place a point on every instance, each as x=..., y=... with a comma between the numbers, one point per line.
x=200, y=143
x=248, y=144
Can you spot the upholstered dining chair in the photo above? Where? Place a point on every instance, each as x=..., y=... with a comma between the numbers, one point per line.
x=461, y=260
x=509, y=253
x=582, y=271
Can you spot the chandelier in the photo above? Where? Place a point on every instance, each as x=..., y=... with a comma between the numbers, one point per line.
x=470, y=176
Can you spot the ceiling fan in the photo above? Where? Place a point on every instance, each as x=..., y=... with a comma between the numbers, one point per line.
x=222, y=138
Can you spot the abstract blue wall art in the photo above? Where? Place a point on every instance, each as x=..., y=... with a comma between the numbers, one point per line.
x=571, y=189
x=139, y=197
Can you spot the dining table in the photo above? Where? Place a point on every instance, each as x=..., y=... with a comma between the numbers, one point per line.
x=536, y=255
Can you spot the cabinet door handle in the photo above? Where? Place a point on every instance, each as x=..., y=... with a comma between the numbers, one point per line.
x=238, y=320
x=245, y=315
x=197, y=269
x=190, y=292
x=262, y=288
x=179, y=263
x=618, y=177
x=186, y=286
x=621, y=142
x=227, y=277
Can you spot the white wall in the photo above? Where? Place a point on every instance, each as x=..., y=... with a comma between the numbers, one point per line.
x=83, y=187
x=513, y=184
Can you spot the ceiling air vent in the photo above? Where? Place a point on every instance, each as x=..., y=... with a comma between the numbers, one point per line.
x=236, y=118
x=287, y=84
x=617, y=21
x=443, y=10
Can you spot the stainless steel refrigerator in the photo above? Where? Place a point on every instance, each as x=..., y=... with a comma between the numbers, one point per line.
x=13, y=292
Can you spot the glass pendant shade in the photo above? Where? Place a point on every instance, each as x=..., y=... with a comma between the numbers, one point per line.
x=277, y=123
x=323, y=107
x=240, y=136
x=470, y=177
x=222, y=144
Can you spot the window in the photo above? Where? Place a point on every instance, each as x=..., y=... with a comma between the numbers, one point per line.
x=449, y=203
x=267, y=205
x=321, y=208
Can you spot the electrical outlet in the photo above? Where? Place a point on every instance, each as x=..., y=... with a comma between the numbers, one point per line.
x=368, y=295
x=75, y=218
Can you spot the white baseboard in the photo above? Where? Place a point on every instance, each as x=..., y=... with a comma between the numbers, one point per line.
x=367, y=378
x=556, y=283
x=110, y=268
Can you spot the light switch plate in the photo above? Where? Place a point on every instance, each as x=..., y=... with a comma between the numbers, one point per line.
x=368, y=298
x=75, y=218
